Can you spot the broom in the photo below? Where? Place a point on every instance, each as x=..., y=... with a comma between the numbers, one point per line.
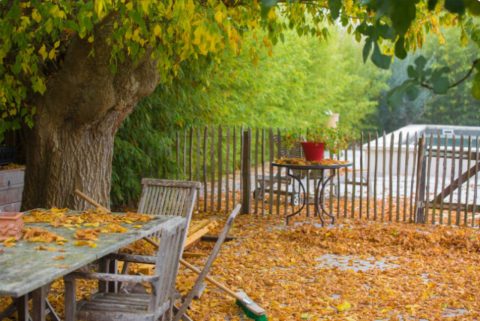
x=248, y=306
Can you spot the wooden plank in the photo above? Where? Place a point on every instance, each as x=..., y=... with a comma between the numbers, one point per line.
x=437, y=173
x=246, y=175
x=271, y=155
x=184, y=174
x=375, y=175
x=212, y=169
x=220, y=168
x=198, y=234
x=384, y=172
x=227, y=171
x=477, y=168
x=369, y=181
x=460, y=182
x=177, y=154
x=354, y=179
x=390, y=179
x=399, y=161
x=39, y=296
x=205, y=180
x=444, y=177
x=345, y=196
x=190, y=154
x=452, y=178
x=279, y=182
x=255, y=161
x=428, y=171
x=263, y=172
x=405, y=177
x=198, y=177
x=419, y=207
x=414, y=173
x=360, y=210
x=234, y=167
x=469, y=163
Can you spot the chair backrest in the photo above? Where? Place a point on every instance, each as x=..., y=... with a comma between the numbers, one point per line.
x=211, y=258
x=171, y=238
x=168, y=197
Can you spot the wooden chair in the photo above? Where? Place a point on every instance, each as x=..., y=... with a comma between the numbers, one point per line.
x=203, y=274
x=108, y=306
x=168, y=197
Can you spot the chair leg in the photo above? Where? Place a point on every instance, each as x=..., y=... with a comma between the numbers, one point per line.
x=70, y=300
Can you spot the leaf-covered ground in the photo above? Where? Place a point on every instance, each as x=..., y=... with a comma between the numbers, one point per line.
x=356, y=270
x=404, y=272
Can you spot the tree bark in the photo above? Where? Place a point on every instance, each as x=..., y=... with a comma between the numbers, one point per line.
x=71, y=143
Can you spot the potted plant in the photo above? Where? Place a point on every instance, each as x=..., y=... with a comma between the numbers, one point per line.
x=316, y=141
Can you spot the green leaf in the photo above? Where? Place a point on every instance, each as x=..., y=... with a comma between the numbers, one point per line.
x=400, y=51
x=402, y=15
x=432, y=4
x=335, y=6
x=379, y=59
x=455, y=6
x=412, y=92
x=440, y=85
x=476, y=86
x=411, y=72
x=421, y=62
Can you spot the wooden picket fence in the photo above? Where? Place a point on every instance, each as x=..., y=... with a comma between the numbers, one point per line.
x=409, y=177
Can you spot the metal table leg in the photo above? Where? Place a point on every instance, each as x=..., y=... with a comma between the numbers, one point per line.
x=320, y=199
x=302, y=188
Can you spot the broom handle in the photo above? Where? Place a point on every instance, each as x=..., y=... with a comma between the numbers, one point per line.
x=197, y=271
x=91, y=200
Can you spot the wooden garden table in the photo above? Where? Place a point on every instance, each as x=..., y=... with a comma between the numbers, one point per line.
x=25, y=270
x=319, y=201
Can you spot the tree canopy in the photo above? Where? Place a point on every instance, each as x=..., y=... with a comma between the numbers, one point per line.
x=36, y=35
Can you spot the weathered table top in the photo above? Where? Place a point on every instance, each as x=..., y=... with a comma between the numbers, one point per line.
x=24, y=269
x=312, y=166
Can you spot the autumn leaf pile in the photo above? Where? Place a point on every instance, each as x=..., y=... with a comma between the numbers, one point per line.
x=433, y=272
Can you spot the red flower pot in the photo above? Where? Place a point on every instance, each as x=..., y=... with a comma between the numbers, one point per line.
x=11, y=225
x=313, y=151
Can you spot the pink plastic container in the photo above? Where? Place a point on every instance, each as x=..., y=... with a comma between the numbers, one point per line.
x=313, y=151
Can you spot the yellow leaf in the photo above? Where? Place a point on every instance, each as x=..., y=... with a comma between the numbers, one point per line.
x=90, y=39
x=344, y=306
x=43, y=52
x=51, y=54
x=219, y=17
x=157, y=30
x=36, y=16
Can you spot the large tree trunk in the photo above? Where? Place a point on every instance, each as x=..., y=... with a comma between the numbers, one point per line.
x=71, y=144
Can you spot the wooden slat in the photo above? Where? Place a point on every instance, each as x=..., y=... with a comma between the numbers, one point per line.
x=375, y=175
x=369, y=181
x=420, y=183
x=405, y=177
x=271, y=155
x=234, y=164
x=354, y=180
x=452, y=178
x=205, y=180
x=444, y=177
x=212, y=169
x=177, y=154
x=467, y=188
x=399, y=162
x=460, y=182
x=227, y=171
x=184, y=153
x=345, y=196
x=384, y=172
x=474, y=208
x=263, y=172
x=198, y=176
x=255, y=161
x=219, y=168
x=428, y=171
x=414, y=172
x=437, y=173
x=279, y=182
x=190, y=154
x=360, y=210
x=390, y=179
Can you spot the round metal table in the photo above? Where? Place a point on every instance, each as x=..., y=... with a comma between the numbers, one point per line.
x=319, y=200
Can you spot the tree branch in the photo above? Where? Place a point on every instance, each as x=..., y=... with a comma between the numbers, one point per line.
x=459, y=81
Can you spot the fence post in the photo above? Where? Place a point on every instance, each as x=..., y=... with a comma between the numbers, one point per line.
x=421, y=180
x=246, y=171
